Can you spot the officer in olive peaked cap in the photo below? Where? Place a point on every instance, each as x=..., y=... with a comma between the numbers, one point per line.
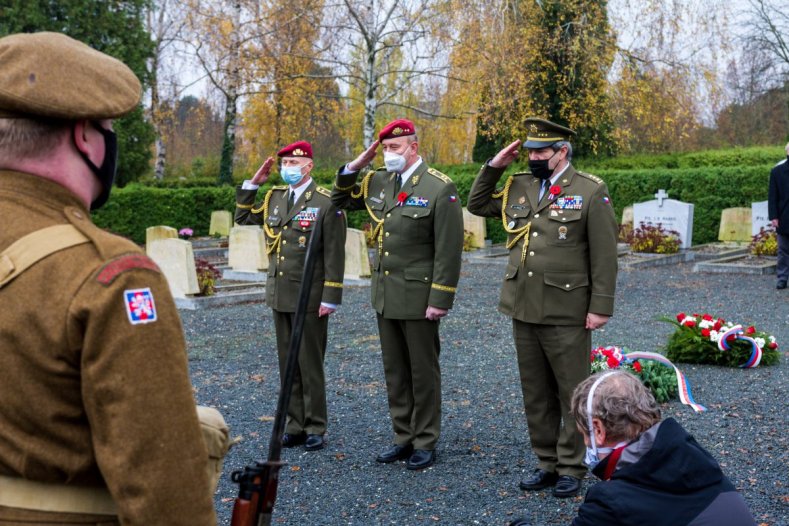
x=97, y=419
x=558, y=286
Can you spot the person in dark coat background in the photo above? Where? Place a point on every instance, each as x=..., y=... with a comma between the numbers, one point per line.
x=778, y=213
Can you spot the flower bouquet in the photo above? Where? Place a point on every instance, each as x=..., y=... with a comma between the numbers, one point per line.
x=707, y=339
x=186, y=233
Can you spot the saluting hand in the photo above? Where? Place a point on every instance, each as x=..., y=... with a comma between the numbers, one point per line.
x=365, y=158
x=261, y=176
x=505, y=157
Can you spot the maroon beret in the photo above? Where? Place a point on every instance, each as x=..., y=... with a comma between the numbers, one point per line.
x=297, y=149
x=397, y=128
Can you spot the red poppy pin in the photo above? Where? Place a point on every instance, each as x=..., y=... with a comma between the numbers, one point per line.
x=401, y=197
x=555, y=190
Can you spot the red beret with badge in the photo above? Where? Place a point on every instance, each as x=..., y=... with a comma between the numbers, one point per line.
x=397, y=128
x=297, y=149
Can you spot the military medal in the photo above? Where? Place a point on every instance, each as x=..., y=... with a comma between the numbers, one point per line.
x=304, y=223
x=562, y=232
x=302, y=241
x=382, y=194
x=511, y=225
x=521, y=200
x=276, y=210
x=554, y=213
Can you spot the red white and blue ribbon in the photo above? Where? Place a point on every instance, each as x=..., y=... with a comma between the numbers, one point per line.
x=737, y=332
x=684, y=387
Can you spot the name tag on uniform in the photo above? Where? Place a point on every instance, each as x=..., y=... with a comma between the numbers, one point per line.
x=308, y=214
x=417, y=201
x=568, y=202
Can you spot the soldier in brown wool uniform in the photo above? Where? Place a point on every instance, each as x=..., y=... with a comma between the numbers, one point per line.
x=97, y=420
x=419, y=231
x=558, y=287
x=289, y=215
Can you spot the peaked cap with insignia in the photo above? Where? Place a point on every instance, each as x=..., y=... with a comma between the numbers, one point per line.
x=542, y=133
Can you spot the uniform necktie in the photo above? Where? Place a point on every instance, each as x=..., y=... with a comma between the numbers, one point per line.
x=544, y=189
x=398, y=184
x=291, y=195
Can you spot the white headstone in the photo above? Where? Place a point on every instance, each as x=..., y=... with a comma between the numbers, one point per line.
x=735, y=225
x=177, y=261
x=669, y=213
x=759, y=217
x=153, y=233
x=357, y=261
x=475, y=225
x=247, y=249
x=221, y=223
x=627, y=216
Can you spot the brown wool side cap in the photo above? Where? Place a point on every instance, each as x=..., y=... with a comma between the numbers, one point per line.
x=53, y=75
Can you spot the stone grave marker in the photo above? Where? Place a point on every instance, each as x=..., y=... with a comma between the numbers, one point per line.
x=177, y=261
x=671, y=214
x=247, y=249
x=153, y=233
x=475, y=225
x=735, y=225
x=627, y=217
x=221, y=223
x=759, y=217
x=357, y=260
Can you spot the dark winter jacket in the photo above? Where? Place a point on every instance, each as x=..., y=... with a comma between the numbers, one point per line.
x=664, y=478
x=778, y=196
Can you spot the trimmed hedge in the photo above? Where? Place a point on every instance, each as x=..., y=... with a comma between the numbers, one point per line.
x=132, y=209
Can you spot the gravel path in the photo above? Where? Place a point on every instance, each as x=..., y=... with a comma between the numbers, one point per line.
x=484, y=449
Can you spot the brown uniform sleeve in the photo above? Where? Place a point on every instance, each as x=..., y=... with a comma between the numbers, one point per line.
x=480, y=199
x=602, y=232
x=138, y=399
x=334, y=232
x=448, y=235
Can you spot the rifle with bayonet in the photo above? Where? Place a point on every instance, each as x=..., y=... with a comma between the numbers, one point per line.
x=258, y=483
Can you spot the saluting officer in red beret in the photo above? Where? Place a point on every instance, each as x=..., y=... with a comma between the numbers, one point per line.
x=418, y=226
x=288, y=215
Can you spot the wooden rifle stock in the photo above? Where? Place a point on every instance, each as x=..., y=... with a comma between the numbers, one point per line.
x=258, y=484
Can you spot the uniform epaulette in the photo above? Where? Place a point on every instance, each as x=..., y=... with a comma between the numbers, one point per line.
x=380, y=169
x=280, y=187
x=322, y=190
x=520, y=173
x=591, y=177
x=439, y=175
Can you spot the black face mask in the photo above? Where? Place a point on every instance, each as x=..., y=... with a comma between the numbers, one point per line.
x=540, y=169
x=106, y=172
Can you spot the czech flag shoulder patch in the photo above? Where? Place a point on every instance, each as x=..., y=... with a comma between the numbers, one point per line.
x=140, y=306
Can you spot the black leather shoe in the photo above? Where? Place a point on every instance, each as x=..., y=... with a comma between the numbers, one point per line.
x=314, y=442
x=291, y=440
x=520, y=522
x=540, y=479
x=780, y=285
x=421, y=459
x=395, y=453
x=567, y=486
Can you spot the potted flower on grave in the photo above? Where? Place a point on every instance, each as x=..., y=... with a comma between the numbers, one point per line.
x=709, y=339
x=653, y=239
x=207, y=274
x=765, y=243
x=185, y=233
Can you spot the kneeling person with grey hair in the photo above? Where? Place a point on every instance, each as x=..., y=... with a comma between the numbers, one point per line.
x=652, y=472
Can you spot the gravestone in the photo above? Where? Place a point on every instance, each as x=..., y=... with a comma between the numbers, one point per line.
x=221, y=223
x=357, y=260
x=247, y=249
x=735, y=225
x=669, y=213
x=177, y=261
x=759, y=217
x=627, y=217
x=476, y=226
x=154, y=233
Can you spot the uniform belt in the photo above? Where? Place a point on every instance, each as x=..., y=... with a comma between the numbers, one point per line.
x=58, y=498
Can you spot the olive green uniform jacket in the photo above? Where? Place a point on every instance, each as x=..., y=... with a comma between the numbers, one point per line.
x=287, y=236
x=420, y=238
x=569, y=266
x=89, y=398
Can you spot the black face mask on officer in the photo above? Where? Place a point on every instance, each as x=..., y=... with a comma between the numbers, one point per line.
x=106, y=172
x=539, y=167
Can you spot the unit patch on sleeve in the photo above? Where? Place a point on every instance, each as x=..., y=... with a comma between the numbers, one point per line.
x=139, y=305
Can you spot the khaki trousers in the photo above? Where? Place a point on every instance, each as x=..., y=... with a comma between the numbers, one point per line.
x=410, y=350
x=307, y=408
x=552, y=361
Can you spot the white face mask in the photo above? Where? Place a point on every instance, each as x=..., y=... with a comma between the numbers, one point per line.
x=592, y=457
x=394, y=162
